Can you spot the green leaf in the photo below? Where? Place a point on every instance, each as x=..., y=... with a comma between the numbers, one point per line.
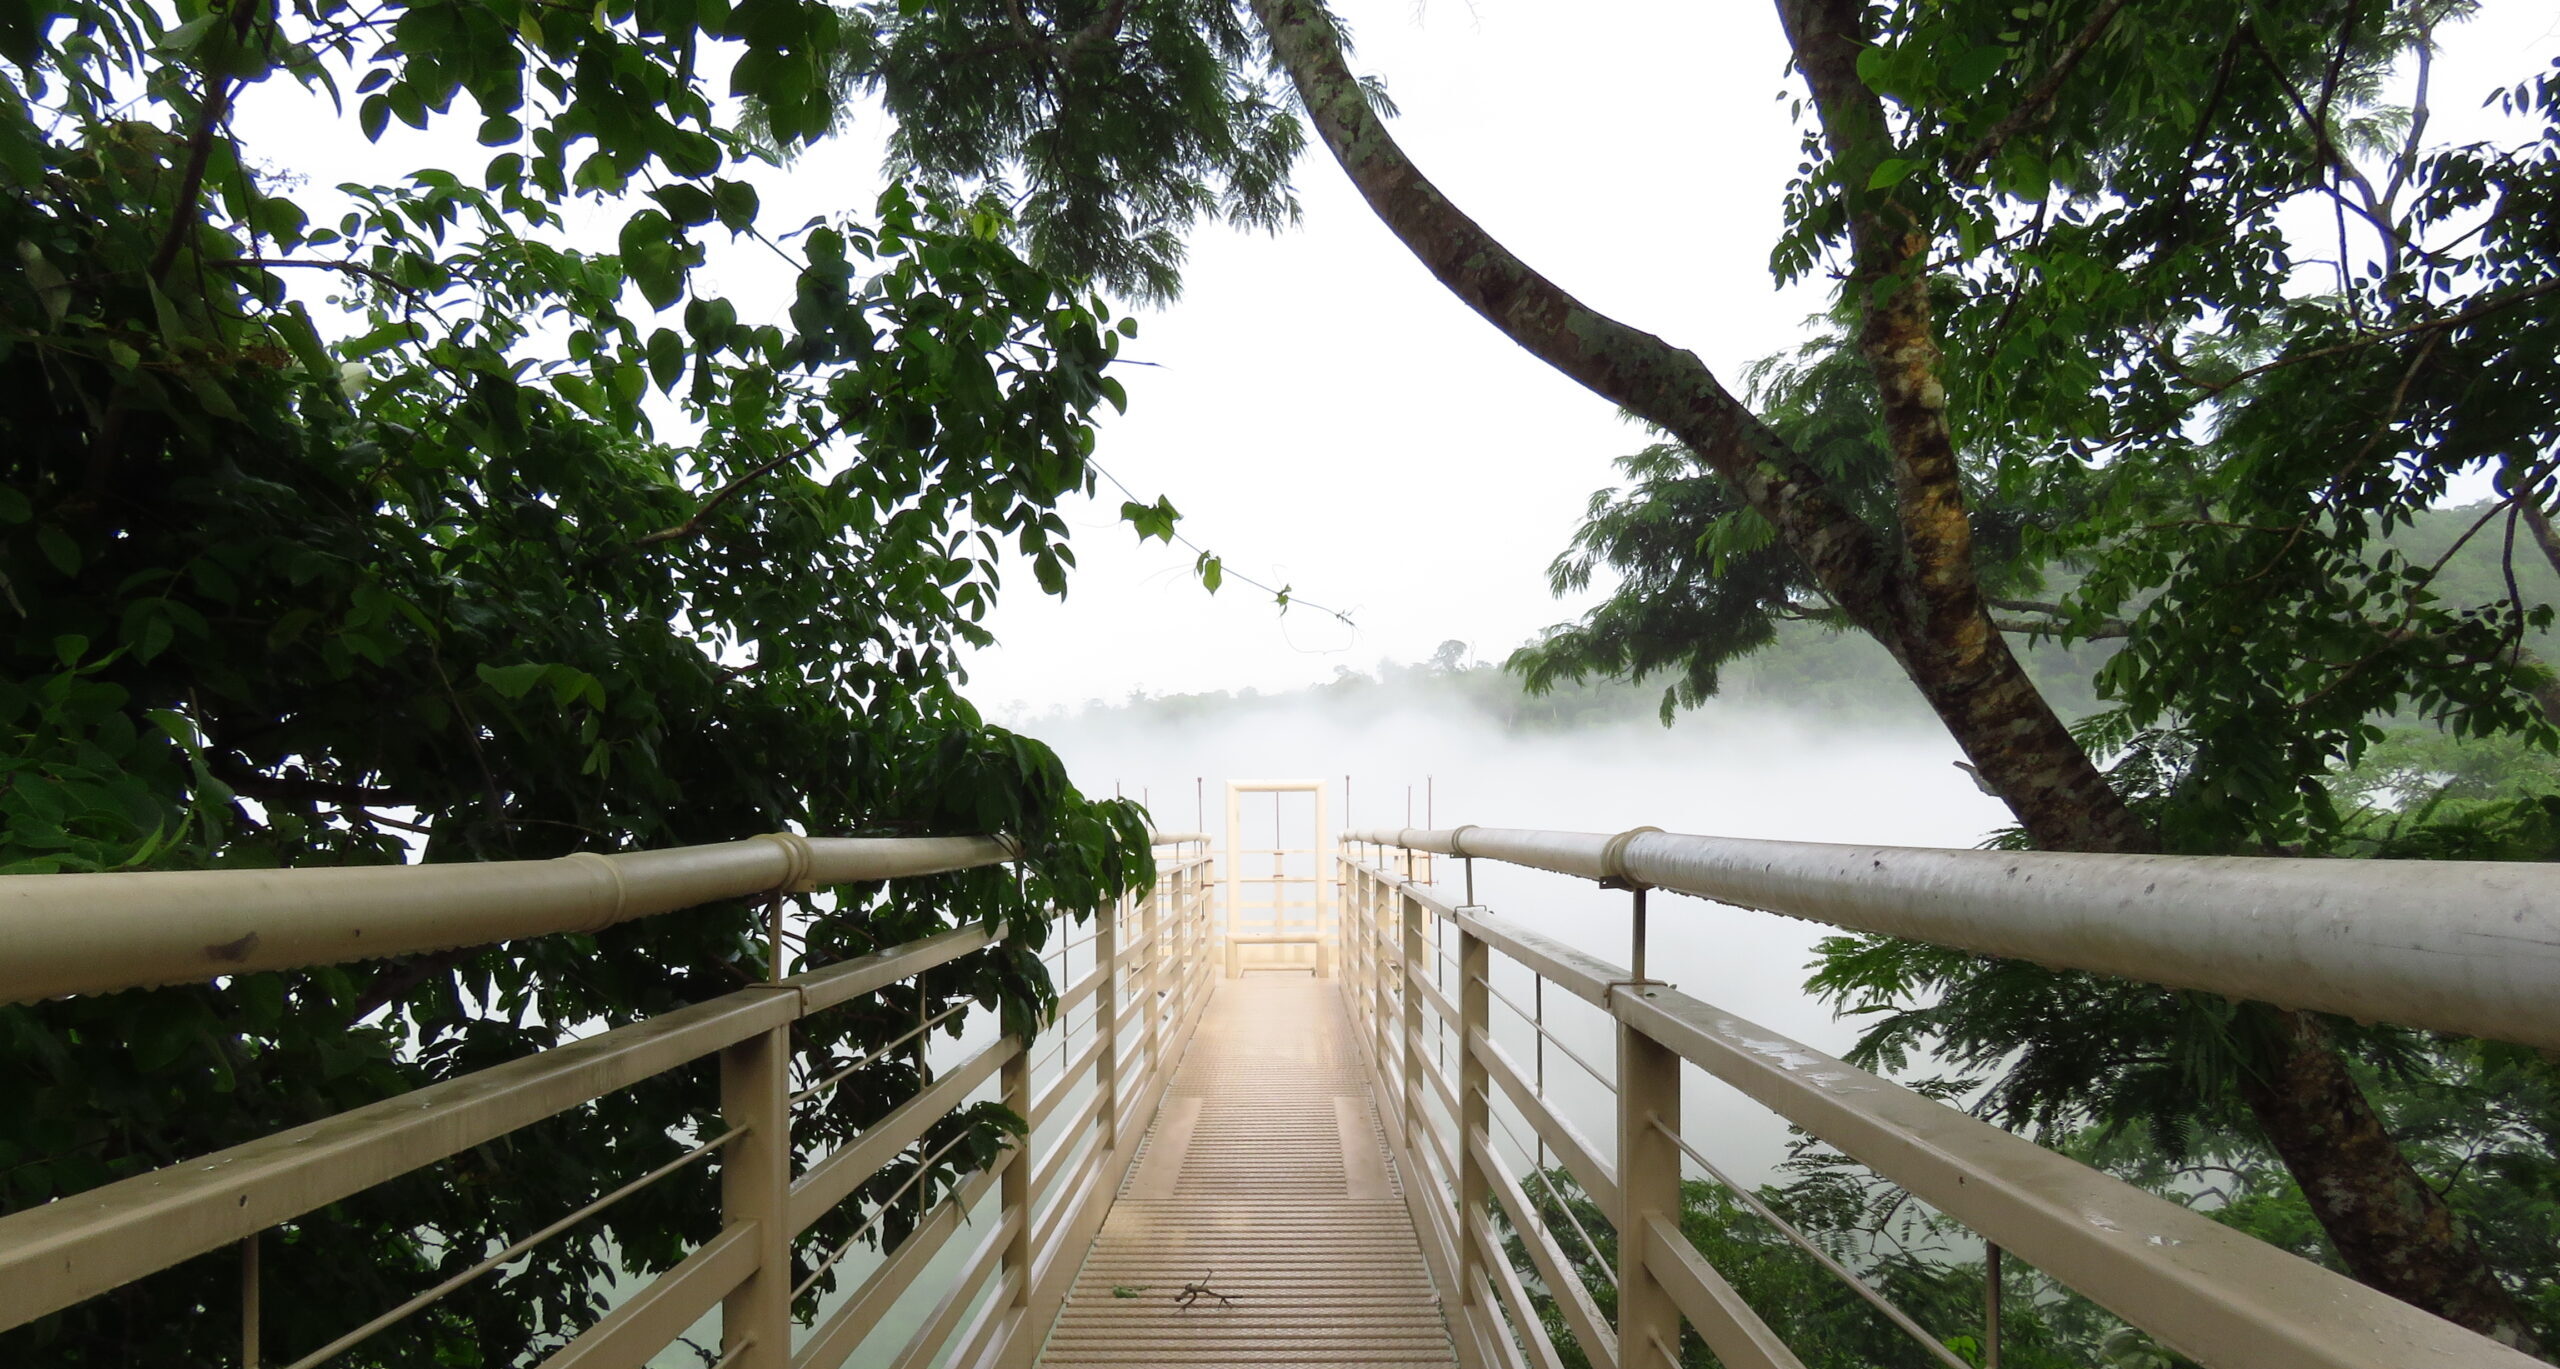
x=59, y=549
x=1890, y=171
x=512, y=681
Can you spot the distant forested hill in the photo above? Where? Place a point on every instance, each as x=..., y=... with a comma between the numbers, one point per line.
x=1814, y=669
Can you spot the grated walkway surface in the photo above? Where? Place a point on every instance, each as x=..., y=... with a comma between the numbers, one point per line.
x=1265, y=1176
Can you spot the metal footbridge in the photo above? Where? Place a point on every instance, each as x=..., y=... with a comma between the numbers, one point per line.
x=1294, y=1106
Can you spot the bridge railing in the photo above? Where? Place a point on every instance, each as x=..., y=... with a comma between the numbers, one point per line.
x=2458, y=947
x=1086, y=1095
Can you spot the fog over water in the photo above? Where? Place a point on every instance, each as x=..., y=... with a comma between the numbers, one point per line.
x=1731, y=769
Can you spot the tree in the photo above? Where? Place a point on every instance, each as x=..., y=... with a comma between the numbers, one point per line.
x=2069, y=314
x=439, y=578
x=2123, y=338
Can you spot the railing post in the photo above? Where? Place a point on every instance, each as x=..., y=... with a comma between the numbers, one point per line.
x=1410, y=909
x=1648, y=1185
x=755, y=1189
x=1151, y=1000
x=1475, y=1189
x=1106, y=992
x=1013, y=1187
x=1379, y=949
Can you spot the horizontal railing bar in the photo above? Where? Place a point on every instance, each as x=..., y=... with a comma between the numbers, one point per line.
x=79, y=1246
x=869, y=974
x=1078, y=1137
x=99, y=933
x=1541, y=1347
x=428, y=1298
x=1569, y=968
x=1431, y=994
x=1598, y=1177
x=1581, y=1316
x=2471, y=947
x=924, y=1166
x=1559, y=1043
x=829, y=1181
x=1547, y=1182
x=1902, y=1320
x=924, y=1346
x=96, y=933
x=1076, y=993
x=636, y=1330
x=1737, y=1335
x=842, y=1333
x=2207, y=1291
x=1064, y=1080
x=872, y=1056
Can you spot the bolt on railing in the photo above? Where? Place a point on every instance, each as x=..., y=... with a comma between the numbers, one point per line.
x=135, y=930
x=2201, y=1288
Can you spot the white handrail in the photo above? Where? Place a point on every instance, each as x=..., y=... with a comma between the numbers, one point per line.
x=98, y=933
x=2459, y=946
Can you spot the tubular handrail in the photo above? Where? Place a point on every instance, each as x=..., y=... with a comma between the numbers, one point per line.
x=2471, y=947
x=99, y=933
x=2205, y=1289
x=89, y=1243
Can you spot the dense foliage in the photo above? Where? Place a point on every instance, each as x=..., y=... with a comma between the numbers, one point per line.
x=2220, y=433
x=392, y=524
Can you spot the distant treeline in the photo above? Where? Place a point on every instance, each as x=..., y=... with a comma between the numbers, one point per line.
x=1842, y=675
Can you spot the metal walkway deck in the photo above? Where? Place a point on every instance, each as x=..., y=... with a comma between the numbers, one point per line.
x=1265, y=1177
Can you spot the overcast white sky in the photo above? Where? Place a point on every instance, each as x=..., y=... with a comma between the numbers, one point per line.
x=1327, y=416
x=1321, y=411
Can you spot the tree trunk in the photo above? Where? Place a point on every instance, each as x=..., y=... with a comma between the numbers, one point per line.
x=1943, y=637
x=2389, y=1227
x=1924, y=606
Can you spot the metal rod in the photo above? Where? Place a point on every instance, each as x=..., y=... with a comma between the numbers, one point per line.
x=250, y=1288
x=1588, y=1244
x=336, y=1347
x=1538, y=1043
x=873, y=1056
x=923, y=1167
x=1545, y=1035
x=773, y=933
x=1990, y=1305
x=1856, y=1285
x=1637, y=964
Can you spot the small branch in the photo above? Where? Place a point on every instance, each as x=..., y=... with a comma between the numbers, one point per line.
x=395, y=981
x=725, y=493
x=2053, y=626
x=2507, y=300
x=2039, y=97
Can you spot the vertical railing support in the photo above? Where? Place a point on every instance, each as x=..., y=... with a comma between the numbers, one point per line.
x=1013, y=1187
x=755, y=1189
x=1648, y=1185
x=1106, y=992
x=1475, y=1187
x=1990, y=1306
x=1409, y=910
x=1151, y=998
x=251, y=1290
x=1383, y=939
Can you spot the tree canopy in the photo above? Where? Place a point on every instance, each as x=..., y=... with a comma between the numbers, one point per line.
x=2074, y=330
x=399, y=522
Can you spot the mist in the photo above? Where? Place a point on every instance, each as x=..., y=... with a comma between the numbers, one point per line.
x=1743, y=769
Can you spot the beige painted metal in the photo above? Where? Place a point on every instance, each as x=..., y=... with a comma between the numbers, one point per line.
x=81, y=1246
x=1264, y=1177
x=1262, y=934
x=2213, y=1294
x=2459, y=946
